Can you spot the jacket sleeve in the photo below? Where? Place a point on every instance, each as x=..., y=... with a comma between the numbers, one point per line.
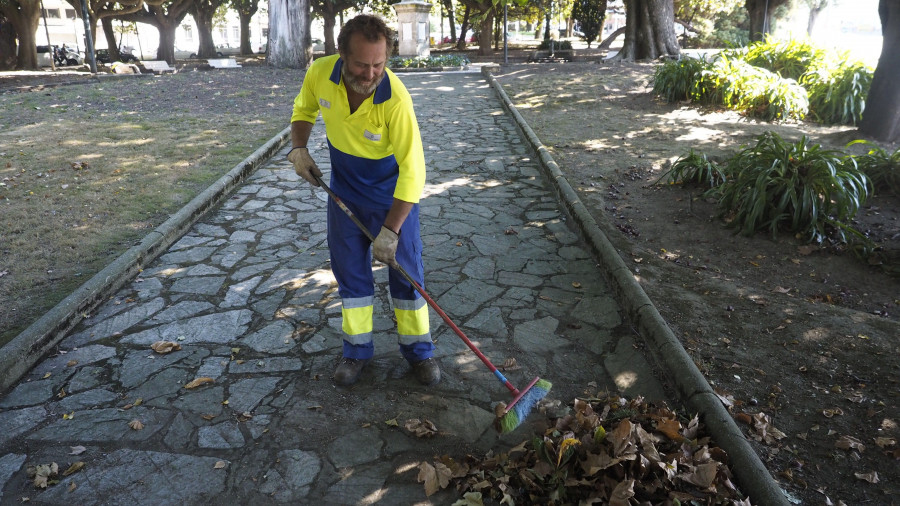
x=407, y=144
x=306, y=106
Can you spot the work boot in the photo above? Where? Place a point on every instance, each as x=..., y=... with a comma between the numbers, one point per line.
x=427, y=371
x=348, y=370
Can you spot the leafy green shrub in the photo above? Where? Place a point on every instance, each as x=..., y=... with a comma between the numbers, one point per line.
x=558, y=45
x=838, y=91
x=799, y=187
x=696, y=168
x=787, y=58
x=753, y=91
x=444, y=60
x=881, y=167
x=678, y=79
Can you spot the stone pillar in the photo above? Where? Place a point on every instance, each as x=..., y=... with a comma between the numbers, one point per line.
x=414, y=28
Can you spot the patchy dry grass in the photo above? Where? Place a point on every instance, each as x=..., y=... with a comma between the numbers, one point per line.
x=87, y=170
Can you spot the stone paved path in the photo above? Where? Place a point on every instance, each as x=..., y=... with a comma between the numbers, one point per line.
x=249, y=296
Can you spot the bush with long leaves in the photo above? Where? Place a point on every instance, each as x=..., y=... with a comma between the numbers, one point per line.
x=838, y=91
x=677, y=80
x=754, y=91
x=788, y=58
x=881, y=167
x=799, y=187
x=696, y=168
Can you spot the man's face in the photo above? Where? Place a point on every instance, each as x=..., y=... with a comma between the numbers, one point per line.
x=364, y=64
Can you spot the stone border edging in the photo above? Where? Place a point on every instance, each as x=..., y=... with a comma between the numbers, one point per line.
x=752, y=476
x=19, y=355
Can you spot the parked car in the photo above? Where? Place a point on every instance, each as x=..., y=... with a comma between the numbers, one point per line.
x=226, y=50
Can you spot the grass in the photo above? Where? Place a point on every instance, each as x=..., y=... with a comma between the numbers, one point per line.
x=87, y=170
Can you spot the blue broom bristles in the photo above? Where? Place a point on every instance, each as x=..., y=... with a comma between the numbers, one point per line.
x=511, y=420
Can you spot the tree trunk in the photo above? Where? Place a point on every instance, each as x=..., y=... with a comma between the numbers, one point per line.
x=246, y=47
x=811, y=22
x=7, y=45
x=25, y=17
x=649, y=30
x=448, y=4
x=461, y=41
x=881, y=118
x=328, y=27
x=110, y=34
x=203, y=12
x=760, y=16
x=289, y=39
x=485, y=33
x=609, y=40
x=166, y=50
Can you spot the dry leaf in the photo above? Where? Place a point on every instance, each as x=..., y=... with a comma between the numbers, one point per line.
x=163, y=347
x=136, y=424
x=849, y=442
x=421, y=428
x=510, y=364
x=871, y=477
x=44, y=474
x=74, y=468
x=830, y=412
x=77, y=450
x=220, y=464
x=198, y=382
x=622, y=493
x=435, y=477
x=71, y=363
x=702, y=476
x=72, y=486
x=885, y=441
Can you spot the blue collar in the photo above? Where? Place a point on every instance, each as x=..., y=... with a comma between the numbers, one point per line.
x=382, y=92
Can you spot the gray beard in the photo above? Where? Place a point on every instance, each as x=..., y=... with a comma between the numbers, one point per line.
x=353, y=84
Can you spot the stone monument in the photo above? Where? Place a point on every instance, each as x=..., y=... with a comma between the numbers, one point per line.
x=414, y=29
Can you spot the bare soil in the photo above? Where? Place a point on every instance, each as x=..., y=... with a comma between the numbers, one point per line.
x=800, y=336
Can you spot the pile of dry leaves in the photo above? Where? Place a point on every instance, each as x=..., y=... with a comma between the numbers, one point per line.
x=608, y=451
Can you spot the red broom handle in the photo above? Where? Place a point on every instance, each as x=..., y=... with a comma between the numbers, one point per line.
x=399, y=268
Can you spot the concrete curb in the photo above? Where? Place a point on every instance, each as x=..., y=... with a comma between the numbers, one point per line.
x=20, y=354
x=752, y=476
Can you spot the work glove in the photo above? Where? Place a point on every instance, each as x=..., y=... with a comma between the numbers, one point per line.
x=304, y=165
x=384, y=248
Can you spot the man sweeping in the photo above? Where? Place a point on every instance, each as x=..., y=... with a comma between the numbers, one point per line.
x=378, y=171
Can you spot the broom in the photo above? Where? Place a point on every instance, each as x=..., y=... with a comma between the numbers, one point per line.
x=510, y=416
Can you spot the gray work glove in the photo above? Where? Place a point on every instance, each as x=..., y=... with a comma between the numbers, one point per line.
x=304, y=165
x=384, y=248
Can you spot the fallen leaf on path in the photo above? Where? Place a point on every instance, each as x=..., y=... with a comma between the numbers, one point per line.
x=44, y=474
x=622, y=493
x=885, y=441
x=220, y=464
x=68, y=416
x=74, y=468
x=435, y=477
x=779, y=289
x=871, y=477
x=163, y=347
x=831, y=412
x=510, y=364
x=474, y=499
x=421, y=428
x=77, y=450
x=198, y=382
x=136, y=425
x=71, y=363
x=850, y=443
x=392, y=422
x=72, y=486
